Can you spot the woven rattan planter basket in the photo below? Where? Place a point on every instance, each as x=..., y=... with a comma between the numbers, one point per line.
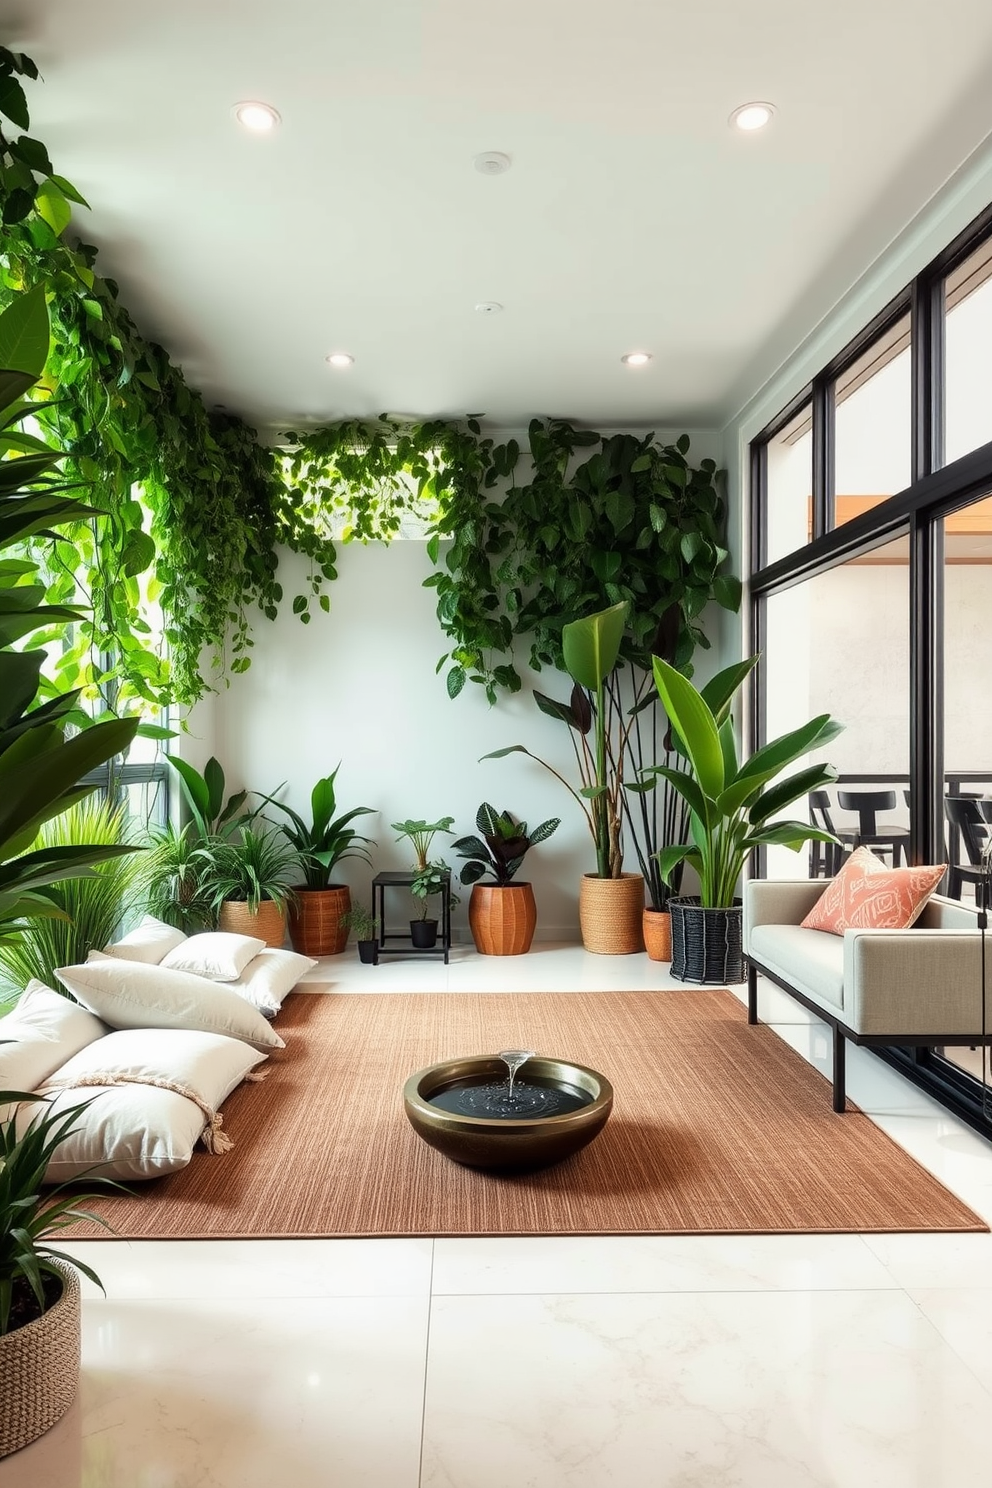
x=610, y=912
x=503, y=918
x=39, y=1369
x=657, y=928
x=268, y=924
x=706, y=943
x=315, y=926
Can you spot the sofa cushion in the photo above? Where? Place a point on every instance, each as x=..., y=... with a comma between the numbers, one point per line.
x=868, y=895
x=809, y=960
x=269, y=977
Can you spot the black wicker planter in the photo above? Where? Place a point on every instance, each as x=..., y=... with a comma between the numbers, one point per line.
x=706, y=943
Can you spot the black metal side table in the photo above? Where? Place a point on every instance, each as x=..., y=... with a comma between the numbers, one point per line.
x=442, y=946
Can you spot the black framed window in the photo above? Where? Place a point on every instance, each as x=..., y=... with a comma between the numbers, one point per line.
x=890, y=586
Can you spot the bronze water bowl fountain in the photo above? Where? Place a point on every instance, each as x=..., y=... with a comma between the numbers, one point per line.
x=472, y=1112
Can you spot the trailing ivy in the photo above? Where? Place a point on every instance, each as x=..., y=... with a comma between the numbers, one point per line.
x=181, y=489
x=195, y=510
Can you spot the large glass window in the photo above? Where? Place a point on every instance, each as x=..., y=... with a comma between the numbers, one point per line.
x=873, y=429
x=789, y=511
x=839, y=644
x=968, y=354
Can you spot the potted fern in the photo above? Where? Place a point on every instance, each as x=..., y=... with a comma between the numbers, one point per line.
x=503, y=914
x=366, y=927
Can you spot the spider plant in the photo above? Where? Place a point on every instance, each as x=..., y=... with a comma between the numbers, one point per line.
x=259, y=865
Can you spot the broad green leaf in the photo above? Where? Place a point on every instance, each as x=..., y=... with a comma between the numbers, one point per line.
x=696, y=726
x=777, y=797
x=24, y=331
x=766, y=762
x=591, y=646
x=52, y=207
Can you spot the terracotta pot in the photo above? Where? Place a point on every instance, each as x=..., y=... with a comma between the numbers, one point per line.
x=315, y=926
x=269, y=924
x=610, y=913
x=657, y=928
x=39, y=1369
x=503, y=918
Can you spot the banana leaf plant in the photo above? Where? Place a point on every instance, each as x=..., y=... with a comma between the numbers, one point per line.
x=210, y=815
x=732, y=803
x=40, y=769
x=323, y=842
x=591, y=648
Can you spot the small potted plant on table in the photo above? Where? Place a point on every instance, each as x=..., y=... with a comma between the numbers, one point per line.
x=503, y=914
x=430, y=878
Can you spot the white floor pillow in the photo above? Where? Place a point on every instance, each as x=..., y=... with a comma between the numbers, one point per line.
x=150, y=941
x=128, y=1131
x=269, y=977
x=130, y=994
x=217, y=954
x=130, y=1069
x=41, y=1032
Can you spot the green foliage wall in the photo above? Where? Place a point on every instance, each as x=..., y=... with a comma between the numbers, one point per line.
x=522, y=540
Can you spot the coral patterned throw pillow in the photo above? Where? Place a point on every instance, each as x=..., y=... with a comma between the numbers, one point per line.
x=868, y=895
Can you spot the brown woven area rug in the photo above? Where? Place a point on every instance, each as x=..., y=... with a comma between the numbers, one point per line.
x=716, y=1128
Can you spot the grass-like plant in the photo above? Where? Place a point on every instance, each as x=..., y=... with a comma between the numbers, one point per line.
x=94, y=906
x=364, y=923
x=176, y=872
x=30, y=1212
x=261, y=864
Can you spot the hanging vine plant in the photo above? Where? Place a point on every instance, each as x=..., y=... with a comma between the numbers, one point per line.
x=187, y=491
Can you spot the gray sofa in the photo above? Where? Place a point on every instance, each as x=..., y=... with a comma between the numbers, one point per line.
x=920, y=986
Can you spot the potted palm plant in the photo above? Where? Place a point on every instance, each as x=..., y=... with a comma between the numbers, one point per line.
x=503, y=914
x=730, y=807
x=611, y=902
x=430, y=878
x=316, y=911
x=248, y=881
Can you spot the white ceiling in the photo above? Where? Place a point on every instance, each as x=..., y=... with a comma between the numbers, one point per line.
x=632, y=217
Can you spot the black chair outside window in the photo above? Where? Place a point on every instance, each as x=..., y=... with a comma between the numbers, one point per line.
x=824, y=857
x=970, y=820
x=880, y=837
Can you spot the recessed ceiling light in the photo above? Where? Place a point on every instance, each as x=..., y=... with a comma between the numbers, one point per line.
x=339, y=359
x=492, y=163
x=751, y=116
x=258, y=117
x=636, y=358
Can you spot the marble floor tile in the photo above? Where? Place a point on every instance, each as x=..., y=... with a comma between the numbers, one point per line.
x=656, y=1263
x=322, y=1393
x=963, y=1318
x=150, y=1269
x=759, y=1390
x=929, y=1261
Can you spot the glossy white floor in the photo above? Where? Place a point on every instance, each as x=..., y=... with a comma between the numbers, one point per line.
x=711, y=1362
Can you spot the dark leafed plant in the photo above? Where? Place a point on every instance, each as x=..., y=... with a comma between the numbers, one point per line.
x=501, y=846
x=29, y=1212
x=326, y=839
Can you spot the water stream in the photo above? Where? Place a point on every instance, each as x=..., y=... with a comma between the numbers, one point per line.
x=513, y=1099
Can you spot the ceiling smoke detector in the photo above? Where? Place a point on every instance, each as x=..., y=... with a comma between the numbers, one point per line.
x=492, y=163
x=489, y=307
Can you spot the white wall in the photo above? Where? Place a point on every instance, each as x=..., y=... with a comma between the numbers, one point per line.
x=359, y=686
